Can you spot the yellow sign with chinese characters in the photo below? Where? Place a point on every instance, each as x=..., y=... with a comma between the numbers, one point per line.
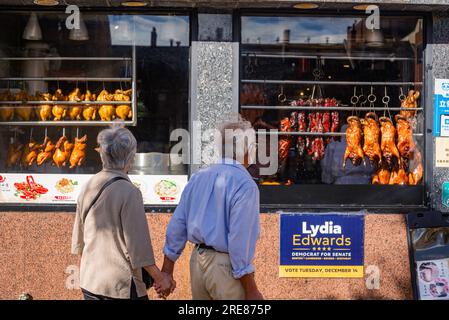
x=441, y=152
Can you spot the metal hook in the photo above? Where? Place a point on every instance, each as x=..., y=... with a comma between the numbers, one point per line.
x=281, y=96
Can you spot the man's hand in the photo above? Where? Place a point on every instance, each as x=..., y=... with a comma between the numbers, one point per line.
x=250, y=287
x=165, y=288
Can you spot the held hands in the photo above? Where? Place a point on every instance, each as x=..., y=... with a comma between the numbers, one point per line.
x=164, y=285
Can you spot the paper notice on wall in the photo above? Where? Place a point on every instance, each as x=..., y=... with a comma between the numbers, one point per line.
x=65, y=189
x=433, y=279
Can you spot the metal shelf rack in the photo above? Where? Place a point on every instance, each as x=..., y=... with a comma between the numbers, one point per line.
x=31, y=104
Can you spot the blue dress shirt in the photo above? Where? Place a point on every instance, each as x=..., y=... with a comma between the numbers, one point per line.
x=220, y=208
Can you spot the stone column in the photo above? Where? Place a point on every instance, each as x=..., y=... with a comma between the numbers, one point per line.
x=214, y=81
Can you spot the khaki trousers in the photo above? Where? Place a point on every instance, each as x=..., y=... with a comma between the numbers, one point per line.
x=211, y=276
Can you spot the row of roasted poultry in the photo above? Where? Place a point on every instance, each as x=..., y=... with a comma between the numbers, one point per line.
x=60, y=112
x=61, y=153
x=391, y=148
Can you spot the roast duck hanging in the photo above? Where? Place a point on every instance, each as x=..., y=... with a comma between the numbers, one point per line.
x=371, y=134
x=6, y=111
x=79, y=152
x=406, y=144
x=354, y=149
x=62, y=152
x=388, y=143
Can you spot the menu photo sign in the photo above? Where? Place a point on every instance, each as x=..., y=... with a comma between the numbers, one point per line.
x=65, y=189
x=433, y=279
x=321, y=245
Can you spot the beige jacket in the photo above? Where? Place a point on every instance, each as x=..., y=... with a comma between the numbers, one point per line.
x=114, y=241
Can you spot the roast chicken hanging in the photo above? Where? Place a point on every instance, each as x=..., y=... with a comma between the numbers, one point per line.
x=382, y=175
x=388, y=143
x=6, y=111
x=23, y=111
x=410, y=102
x=14, y=154
x=399, y=176
x=46, y=151
x=79, y=152
x=29, y=154
x=89, y=110
x=75, y=110
x=59, y=111
x=62, y=152
x=354, y=149
x=43, y=111
x=123, y=111
x=416, y=168
x=106, y=111
x=371, y=134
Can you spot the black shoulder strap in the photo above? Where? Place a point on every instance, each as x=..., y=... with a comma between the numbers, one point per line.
x=99, y=194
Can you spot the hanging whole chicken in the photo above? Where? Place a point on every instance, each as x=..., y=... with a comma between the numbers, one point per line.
x=6, y=111
x=59, y=110
x=43, y=111
x=14, y=155
x=354, y=149
x=24, y=111
x=79, y=152
x=62, y=152
x=123, y=111
x=382, y=175
x=106, y=111
x=29, y=154
x=388, y=144
x=90, y=110
x=46, y=152
x=371, y=134
x=399, y=176
x=75, y=110
x=410, y=102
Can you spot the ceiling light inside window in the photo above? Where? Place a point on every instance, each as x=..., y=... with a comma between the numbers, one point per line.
x=134, y=4
x=46, y=2
x=306, y=5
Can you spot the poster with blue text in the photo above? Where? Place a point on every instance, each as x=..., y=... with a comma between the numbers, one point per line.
x=321, y=245
x=441, y=108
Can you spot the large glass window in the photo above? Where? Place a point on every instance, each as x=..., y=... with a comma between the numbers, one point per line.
x=345, y=99
x=59, y=87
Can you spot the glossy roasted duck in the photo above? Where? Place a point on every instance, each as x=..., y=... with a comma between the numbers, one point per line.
x=24, y=111
x=354, y=149
x=59, y=111
x=123, y=111
x=381, y=176
x=43, y=111
x=29, y=154
x=406, y=144
x=62, y=152
x=90, y=110
x=399, y=176
x=106, y=111
x=388, y=144
x=75, y=110
x=6, y=111
x=46, y=151
x=371, y=135
x=416, y=168
x=79, y=152
x=14, y=155
x=410, y=102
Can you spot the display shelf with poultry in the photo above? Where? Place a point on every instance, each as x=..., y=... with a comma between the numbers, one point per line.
x=77, y=108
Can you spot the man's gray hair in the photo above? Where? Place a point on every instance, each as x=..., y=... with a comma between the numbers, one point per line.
x=117, y=147
x=236, y=136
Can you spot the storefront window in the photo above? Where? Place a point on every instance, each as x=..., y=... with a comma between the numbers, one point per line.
x=345, y=98
x=132, y=62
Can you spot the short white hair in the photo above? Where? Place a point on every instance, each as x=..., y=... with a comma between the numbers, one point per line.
x=236, y=136
x=117, y=147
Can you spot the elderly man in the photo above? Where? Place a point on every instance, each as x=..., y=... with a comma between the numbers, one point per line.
x=219, y=213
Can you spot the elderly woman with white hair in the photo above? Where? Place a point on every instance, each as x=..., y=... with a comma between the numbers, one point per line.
x=111, y=231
